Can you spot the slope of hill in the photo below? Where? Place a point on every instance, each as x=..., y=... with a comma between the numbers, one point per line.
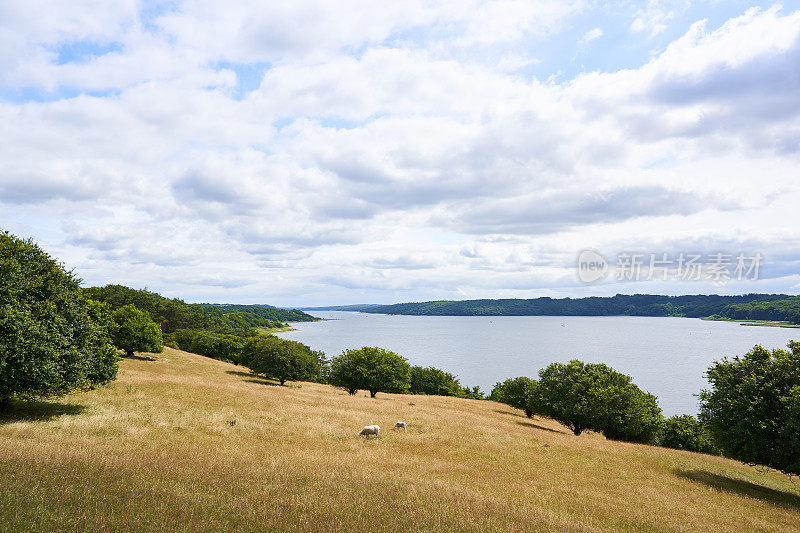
x=743, y=307
x=188, y=443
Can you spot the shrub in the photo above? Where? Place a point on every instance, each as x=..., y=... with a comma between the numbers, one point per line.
x=371, y=368
x=52, y=339
x=135, y=332
x=515, y=392
x=685, y=432
x=283, y=360
x=753, y=407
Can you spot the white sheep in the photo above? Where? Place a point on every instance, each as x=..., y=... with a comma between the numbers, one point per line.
x=401, y=425
x=370, y=430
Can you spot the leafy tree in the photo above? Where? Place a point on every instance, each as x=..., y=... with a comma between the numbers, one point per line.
x=135, y=332
x=105, y=360
x=594, y=396
x=685, y=432
x=371, y=368
x=218, y=346
x=753, y=407
x=431, y=380
x=52, y=340
x=324, y=367
x=628, y=413
x=280, y=359
x=515, y=392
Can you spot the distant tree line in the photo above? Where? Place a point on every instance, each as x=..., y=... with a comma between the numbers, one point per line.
x=745, y=307
x=173, y=314
x=219, y=331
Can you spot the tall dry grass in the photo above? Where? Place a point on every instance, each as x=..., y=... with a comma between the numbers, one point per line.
x=192, y=444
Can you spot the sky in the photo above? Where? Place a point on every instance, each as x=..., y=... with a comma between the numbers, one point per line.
x=316, y=153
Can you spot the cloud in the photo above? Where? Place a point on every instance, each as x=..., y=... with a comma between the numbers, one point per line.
x=556, y=211
x=656, y=15
x=397, y=151
x=590, y=36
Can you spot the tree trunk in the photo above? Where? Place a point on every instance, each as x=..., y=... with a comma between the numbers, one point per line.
x=282, y=380
x=577, y=430
x=5, y=402
x=128, y=353
x=352, y=391
x=372, y=393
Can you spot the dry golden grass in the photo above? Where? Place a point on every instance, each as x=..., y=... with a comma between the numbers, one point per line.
x=189, y=444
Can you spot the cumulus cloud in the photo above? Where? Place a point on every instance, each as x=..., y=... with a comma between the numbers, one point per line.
x=389, y=151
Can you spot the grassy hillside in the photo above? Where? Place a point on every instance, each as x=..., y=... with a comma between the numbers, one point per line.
x=188, y=443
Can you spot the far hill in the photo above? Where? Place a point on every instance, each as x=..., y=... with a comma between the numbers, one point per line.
x=779, y=307
x=187, y=443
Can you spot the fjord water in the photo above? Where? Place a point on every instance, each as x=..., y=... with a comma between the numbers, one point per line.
x=665, y=356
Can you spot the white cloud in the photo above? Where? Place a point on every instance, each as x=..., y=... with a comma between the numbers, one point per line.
x=591, y=35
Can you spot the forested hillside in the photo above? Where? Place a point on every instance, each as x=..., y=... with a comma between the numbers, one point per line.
x=174, y=314
x=744, y=307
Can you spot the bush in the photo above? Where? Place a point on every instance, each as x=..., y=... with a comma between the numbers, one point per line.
x=280, y=359
x=218, y=346
x=52, y=339
x=135, y=332
x=596, y=397
x=371, y=368
x=685, y=432
x=515, y=392
x=753, y=407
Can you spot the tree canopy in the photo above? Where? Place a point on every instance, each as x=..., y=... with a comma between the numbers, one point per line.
x=515, y=392
x=135, y=332
x=281, y=359
x=371, y=368
x=752, y=407
x=596, y=397
x=52, y=339
x=431, y=380
x=685, y=432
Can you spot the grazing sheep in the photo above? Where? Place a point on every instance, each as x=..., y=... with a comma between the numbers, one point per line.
x=401, y=425
x=370, y=430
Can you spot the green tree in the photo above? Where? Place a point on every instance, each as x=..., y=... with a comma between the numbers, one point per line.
x=596, y=397
x=52, y=340
x=283, y=360
x=752, y=408
x=371, y=368
x=515, y=392
x=217, y=346
x=431, y=380
x=135, y=332
x=685, y=432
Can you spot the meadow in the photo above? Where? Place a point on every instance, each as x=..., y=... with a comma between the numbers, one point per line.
x=187, y=443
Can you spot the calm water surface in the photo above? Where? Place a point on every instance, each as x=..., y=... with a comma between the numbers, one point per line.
x=665, y=356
